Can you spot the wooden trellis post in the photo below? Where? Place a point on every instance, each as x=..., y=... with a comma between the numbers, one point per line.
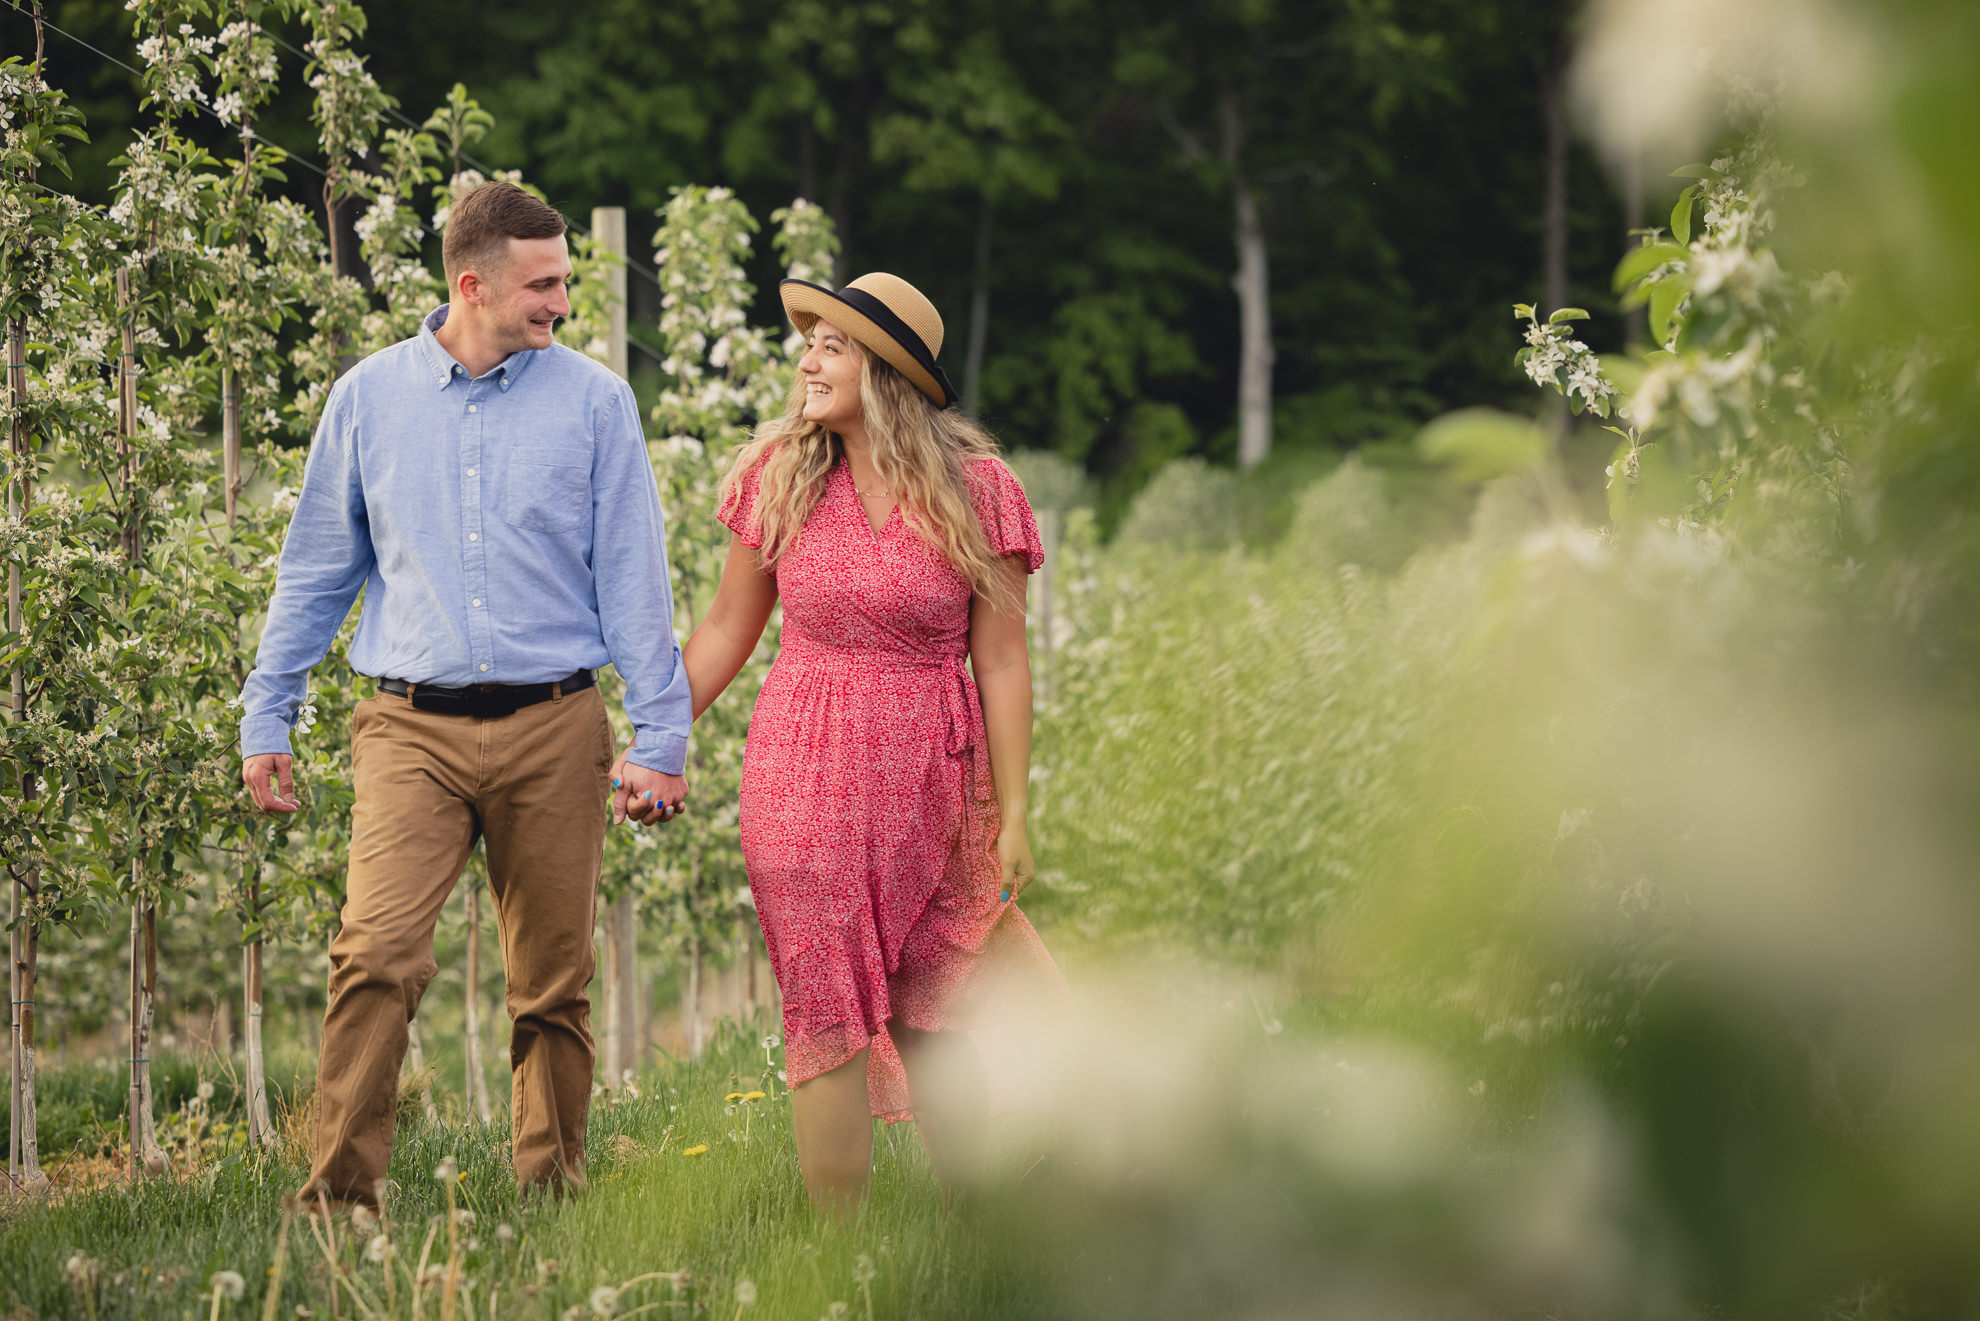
x=621, y=1010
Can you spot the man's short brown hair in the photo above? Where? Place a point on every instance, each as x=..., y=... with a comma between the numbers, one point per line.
x=481, y=225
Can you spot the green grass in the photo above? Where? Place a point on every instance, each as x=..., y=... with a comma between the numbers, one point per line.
x=736, y=1213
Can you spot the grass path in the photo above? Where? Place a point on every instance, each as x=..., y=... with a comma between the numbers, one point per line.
x=732, y=1216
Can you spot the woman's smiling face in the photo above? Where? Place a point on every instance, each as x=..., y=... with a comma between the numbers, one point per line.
x=830, y=368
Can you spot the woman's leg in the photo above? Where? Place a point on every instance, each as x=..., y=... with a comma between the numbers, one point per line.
x=834, y=1127
x=947, y=1081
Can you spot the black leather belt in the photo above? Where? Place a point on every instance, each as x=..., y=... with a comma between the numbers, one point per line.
x=485, y=699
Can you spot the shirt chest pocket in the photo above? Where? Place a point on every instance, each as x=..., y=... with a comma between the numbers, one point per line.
x=548, y=490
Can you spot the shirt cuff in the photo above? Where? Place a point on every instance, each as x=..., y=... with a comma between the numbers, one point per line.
x=659, y=751
x=261, y=735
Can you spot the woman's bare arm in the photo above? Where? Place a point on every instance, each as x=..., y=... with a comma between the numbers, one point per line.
x=728, y=633
x=1002, y=663
x=717, y=650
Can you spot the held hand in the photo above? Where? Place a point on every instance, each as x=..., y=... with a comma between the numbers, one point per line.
x=645, y=797
x=258, y=771
x=1014, y=857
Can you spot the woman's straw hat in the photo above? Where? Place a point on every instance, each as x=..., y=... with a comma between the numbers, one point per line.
x=885, y=314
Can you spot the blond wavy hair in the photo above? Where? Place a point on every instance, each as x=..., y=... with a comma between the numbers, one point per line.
x=919, y=450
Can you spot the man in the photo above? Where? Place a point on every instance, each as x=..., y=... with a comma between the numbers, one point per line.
x=489, y=491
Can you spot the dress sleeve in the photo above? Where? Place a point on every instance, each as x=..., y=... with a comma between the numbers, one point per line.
x=1005, y=513
x=738, y=509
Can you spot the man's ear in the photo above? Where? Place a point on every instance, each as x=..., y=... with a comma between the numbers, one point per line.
x=470, y=288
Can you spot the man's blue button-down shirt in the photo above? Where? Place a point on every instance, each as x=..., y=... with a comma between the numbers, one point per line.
x=504, y=529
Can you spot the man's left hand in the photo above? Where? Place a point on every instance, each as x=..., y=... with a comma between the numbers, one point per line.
x=646, y=797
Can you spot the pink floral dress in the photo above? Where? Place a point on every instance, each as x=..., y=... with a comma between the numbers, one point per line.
x=869, y=819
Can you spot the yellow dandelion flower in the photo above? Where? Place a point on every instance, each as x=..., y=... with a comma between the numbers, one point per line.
x=733, y=1096
x=752, y=1096
x=701, y=1150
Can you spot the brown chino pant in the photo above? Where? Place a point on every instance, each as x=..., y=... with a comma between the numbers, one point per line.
x=428, y=785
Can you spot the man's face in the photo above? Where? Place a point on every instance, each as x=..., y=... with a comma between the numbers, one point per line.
x=524, y=297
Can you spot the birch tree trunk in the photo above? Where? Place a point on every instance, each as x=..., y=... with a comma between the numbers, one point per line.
x=477, y=1077
x=1554, y=215
x=1554, y=206
x=1254, y=295
x=979, y=309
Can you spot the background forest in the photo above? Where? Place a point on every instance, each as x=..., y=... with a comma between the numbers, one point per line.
x=1061, y=176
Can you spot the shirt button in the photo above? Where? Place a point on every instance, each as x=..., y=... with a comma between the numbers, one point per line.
x=474, y=408
x=484, y=669
x=477, y=600
x=474, y=536
x=470, y=472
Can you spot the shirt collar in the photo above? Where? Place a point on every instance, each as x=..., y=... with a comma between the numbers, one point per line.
x=443, y=365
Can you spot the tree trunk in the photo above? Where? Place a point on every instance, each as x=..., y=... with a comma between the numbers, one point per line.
x=24, y=1163
x=230, y=439
x=1554, y=205
x=1553, y=214
x=261, y=1131
x=416, y=1060
x=807, y=157
x=1636, y=322
x=979, y=309
x=477, y=1077
x=147, y=1157
x=1254, y=298
x=23, y=1157
x=24, y=935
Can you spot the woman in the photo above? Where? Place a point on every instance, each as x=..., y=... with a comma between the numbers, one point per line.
x=883, y=803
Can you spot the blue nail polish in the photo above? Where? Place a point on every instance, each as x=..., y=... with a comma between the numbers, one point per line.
x=615, y=784
x=649, y=793
x=1004, y=897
